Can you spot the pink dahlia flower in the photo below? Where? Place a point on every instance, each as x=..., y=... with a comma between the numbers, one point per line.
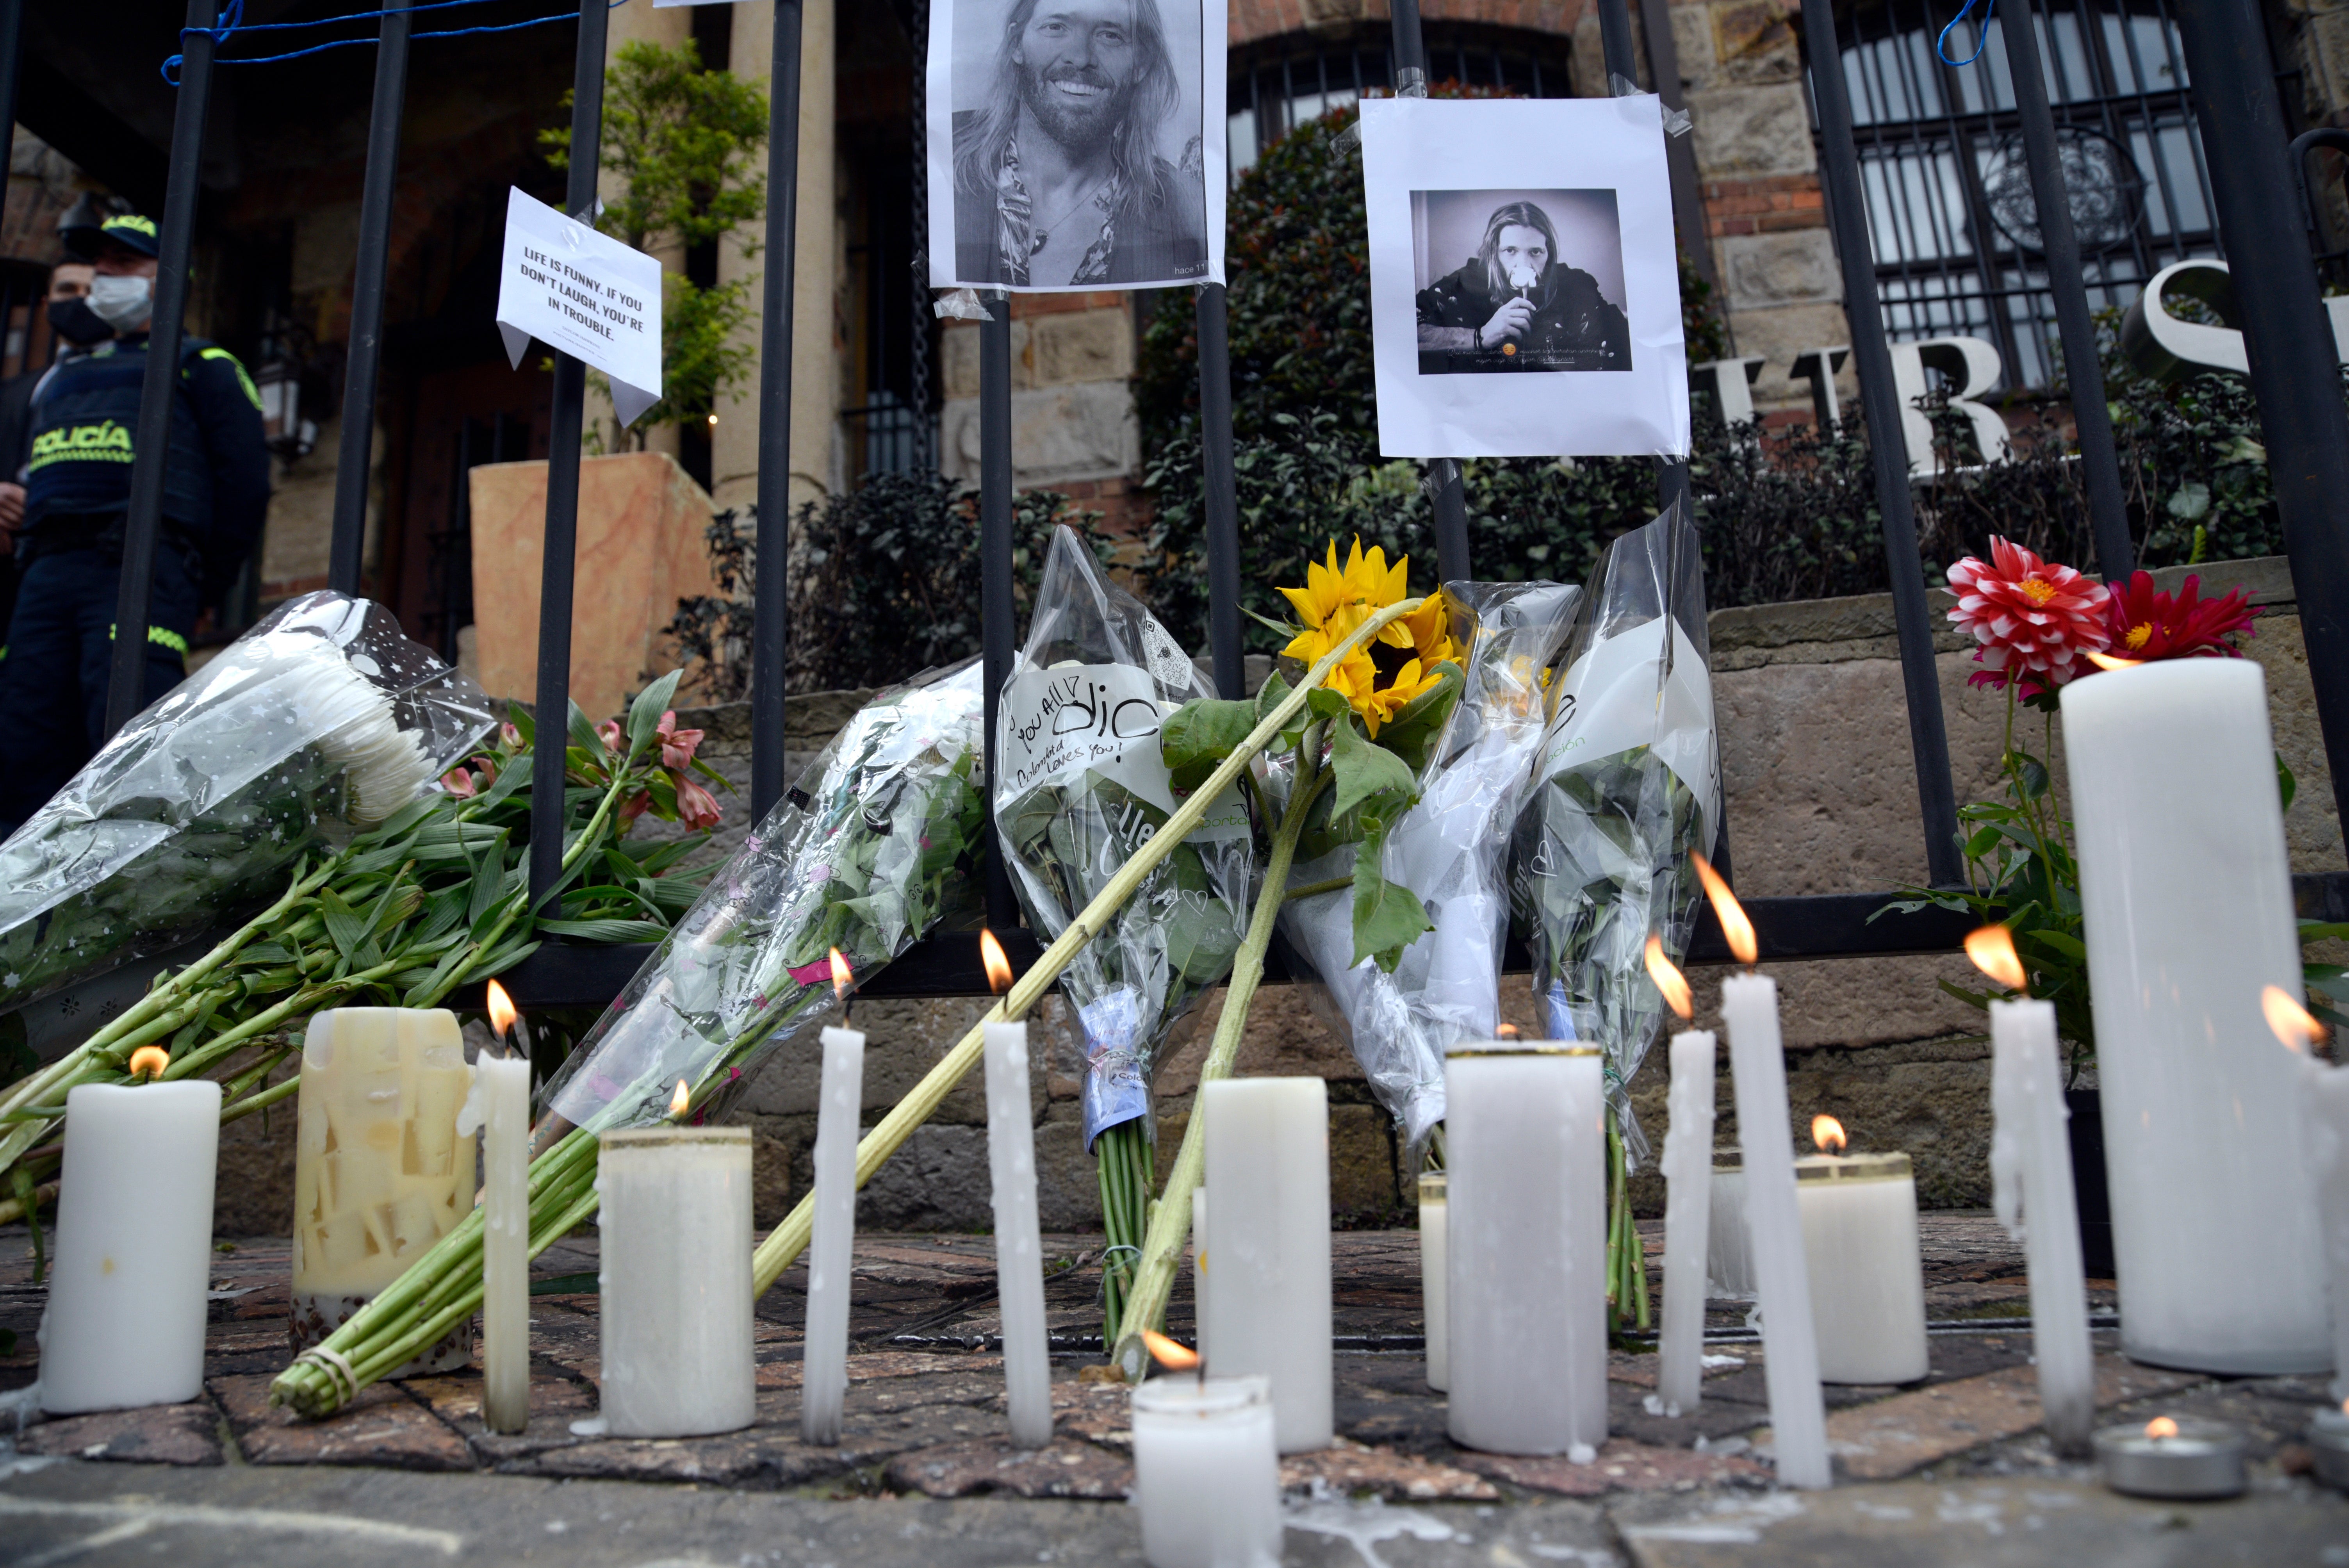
x=2037, y=619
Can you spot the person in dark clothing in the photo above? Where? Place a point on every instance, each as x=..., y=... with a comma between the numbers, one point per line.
x=85, y=420
x=68, y=282
x=1515, y=306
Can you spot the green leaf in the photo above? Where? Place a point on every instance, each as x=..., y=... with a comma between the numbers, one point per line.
x=583, y=734
x=2286, y=785
x=1970, y=998
x=2030, y=774
x=1368, y=774
x=345, y=929
x=1199, y=735
x=609, y=933
x=2322, y=931
x=644, y=713
x=525, y=725
x=1388, y=916
x=2070, y=946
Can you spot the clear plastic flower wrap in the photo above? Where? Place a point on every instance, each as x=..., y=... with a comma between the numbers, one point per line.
x=1450, y=849
x=1628, y=783
x=1079, y=784
x=321, y=720
x=873, y=850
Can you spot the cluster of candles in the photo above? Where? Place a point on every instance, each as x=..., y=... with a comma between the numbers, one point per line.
x=1517, y=1333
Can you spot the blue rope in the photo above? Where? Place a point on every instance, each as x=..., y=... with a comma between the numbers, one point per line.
x=1981, y=34
x=233, y=21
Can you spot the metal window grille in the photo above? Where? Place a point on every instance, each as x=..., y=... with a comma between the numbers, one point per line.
x=1278, y=85
x=1949, y=199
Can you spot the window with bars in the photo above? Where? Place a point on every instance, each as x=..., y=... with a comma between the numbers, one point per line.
x=1949, y=209
x=1280, y=84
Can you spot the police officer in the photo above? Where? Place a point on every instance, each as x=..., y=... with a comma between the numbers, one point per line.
x=85, y=420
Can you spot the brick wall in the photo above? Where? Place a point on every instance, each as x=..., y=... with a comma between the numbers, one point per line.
x=1072, y=421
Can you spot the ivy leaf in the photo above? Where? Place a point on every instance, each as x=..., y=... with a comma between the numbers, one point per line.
x=1368, y=774
x=1199, y=735
x=644, y=713
x=1388, y=916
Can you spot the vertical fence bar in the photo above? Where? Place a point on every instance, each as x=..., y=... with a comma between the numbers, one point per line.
x=1928, y=739
x=2286, y=337
x=12, y=27
x=770, y=620
x=996, y=613
x=356, y=456
x=2100, y=458
x=564, y=430
x=126, y=690
x=1222, y=497
x=1448, y=497
x=1688, y=193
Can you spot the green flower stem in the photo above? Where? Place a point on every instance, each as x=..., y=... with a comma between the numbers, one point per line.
x=1311, y=890
x=261, y=1100
x=789, y=1239
x=1171, y=1223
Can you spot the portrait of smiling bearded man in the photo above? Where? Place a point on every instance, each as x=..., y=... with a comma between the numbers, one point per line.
x=1058, y=180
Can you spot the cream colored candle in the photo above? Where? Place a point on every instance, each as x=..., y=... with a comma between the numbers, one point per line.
x=2186, y=895
x=1019, y=1249
x=675, y=1325
x=1206, y=1473
x=1866, y=1271
x=831, y=1242
x=498, y=1108
x=1687, y=1205
x=1267, y=1154
x=1433, y=1215
x=379, y=1173
x=1525, y=1248
x=2031, y=1175
x=1774, y=1228
x=125, y=1321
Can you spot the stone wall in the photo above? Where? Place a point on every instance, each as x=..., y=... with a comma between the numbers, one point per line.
x=1821, y=797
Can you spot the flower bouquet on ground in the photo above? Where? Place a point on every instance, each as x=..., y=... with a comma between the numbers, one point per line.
x=871, y=851
x=1080, y=784
x=2038, y=626
x=433, y=897
x=1449, y=850
x=1628, y=783
x=322, y=720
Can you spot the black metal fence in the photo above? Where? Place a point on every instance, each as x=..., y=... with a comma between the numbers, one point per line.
x=2245, y=183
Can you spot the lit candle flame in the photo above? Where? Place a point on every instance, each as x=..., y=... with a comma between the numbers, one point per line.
x=149, y=1061
x=1827, y=1133
x=2161, y=1427
x=501, y=1009
x=842, y=977
x=682, y=1098
x=999, y=967
x=1504, y=1031
x=2294, y=1025
x=1992, y=950
x=1669, y=980
x=1735, y=928
x=1167, y=1354
x=2107, y=662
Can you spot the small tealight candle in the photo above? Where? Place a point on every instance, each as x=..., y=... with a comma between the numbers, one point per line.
x=1432, y=1214
x=2328, y=1445
x=1867, y=1269
x=2164, y=1458
x=1206, y=1473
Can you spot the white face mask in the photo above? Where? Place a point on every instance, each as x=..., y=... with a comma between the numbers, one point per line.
x=123, y=303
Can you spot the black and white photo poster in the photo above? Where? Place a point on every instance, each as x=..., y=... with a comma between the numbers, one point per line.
x=1076, y=144
x=1525, y=289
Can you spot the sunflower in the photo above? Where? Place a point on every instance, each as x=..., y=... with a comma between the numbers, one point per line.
x=1380, y=706
x=1381, y=678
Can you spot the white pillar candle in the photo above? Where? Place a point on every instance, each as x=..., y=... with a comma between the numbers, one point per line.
x=2186, y=893
x=1525, y=1248
x=1207, y=1472
x=1866, y=1271
x=1728, y=1251
x=1773, y=1227
x=832, y=1240
x=498, y=1108
x=1688, y=1215
x=676, y=1277
x=1199, y=1268
x=1434, y=1214
x=1018, y=1248
x=125, y=1322
x=1268, y=1252
x=2031, y=1173
x=2328, y=1116
x=379, y=1173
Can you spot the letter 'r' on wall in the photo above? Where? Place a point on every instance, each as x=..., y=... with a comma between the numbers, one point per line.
x=1971, y=368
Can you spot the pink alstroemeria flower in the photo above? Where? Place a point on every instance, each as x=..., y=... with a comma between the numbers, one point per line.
x=696, y=807
x=458, y=783
x=635, y=806
x=616, y=739
x=676, y=746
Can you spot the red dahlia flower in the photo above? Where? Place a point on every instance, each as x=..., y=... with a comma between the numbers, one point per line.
x=2147, y=624
x=2036, y=617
